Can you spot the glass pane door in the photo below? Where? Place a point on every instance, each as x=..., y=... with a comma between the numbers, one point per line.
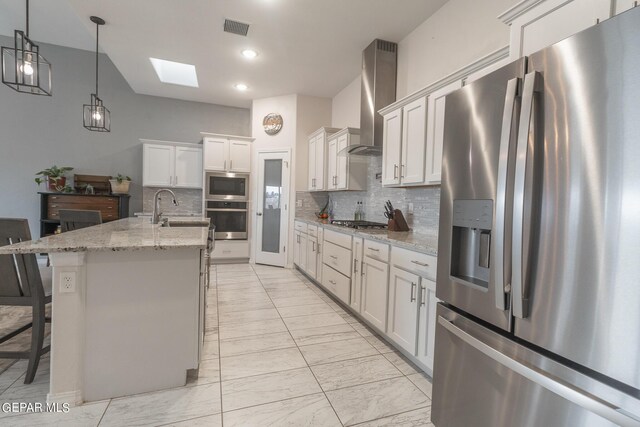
x=272, y=209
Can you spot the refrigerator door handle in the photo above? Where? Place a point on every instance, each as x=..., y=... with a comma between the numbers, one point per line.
x=562, y=389
x=522, y=198
x=502, y=231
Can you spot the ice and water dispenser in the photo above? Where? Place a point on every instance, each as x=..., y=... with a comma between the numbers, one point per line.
x=471, y=241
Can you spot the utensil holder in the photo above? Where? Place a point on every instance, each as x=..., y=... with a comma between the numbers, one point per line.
x=398, y=223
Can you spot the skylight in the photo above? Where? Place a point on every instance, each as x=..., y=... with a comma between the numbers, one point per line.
x=175, y=73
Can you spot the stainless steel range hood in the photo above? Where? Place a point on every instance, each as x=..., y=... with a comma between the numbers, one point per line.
x=379, y=64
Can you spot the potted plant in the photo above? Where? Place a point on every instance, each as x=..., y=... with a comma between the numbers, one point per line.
x=120, y=184
x=54, y=176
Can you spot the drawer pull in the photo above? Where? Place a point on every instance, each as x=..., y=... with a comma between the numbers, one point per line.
x=333, y=256
x=374, y=249
x=413, y=291
x=424, y=264
x=332, y=282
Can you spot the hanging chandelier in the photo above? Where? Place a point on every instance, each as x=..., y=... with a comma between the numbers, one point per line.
x=96, y=117
x=23, y=68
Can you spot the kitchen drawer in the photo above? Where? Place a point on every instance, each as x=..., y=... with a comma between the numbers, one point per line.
x=422, y=264
x=337, y=257
x=376, y=250
x=301, y=226
x=312, y=230
x=336, y=283
x=230, y=249
x=339, y=239
x=108, y=206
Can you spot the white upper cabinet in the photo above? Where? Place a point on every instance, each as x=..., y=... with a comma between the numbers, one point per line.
x=318, y=158
x=158, y=165
x=548, y=22
x=391, y=147
x=215, y=154
x=167, y=164
x=345, y=172
x=224, y=153
x=188, y=169
x=239, y=156
x=414, y=124
x=435, y=131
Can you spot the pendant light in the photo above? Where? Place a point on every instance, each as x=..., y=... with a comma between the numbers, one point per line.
x=96, y=116
x=23, y=68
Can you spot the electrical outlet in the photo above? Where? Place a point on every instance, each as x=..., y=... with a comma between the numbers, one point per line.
x=67, y=282
x=299, y=203
x=410, y=209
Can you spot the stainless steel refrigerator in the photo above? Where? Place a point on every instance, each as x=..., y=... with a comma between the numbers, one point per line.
x=539, y=251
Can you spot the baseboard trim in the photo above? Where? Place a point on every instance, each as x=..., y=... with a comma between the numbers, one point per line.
x=73, y=398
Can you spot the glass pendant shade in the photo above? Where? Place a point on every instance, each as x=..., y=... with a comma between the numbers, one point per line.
x=96, y=116
x=24, y=69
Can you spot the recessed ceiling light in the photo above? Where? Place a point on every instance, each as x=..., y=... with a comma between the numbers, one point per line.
x=241, y=87
x=249, y=53
x=175, y=73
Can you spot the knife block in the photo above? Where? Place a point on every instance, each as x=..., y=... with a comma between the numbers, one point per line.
x=398, y=223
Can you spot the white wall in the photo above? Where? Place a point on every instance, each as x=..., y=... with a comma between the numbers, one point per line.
x=459, y=33
x=301, y=115
x=345, y=106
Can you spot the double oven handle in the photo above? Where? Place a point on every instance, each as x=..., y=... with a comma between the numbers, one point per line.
x=226, y=210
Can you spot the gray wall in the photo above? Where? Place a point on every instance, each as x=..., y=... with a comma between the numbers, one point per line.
x=37, y=131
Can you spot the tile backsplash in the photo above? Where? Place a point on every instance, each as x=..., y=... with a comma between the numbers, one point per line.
x=190, y=201
x=426, y=202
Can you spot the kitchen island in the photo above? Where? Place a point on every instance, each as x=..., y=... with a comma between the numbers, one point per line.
x=127, y=307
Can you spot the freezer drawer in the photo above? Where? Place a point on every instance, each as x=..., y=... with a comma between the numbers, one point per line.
x=482, y=378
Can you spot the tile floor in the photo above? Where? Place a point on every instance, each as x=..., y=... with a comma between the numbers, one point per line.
x=278, y=352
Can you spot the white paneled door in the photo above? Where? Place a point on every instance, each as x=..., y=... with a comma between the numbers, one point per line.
x=272, y=207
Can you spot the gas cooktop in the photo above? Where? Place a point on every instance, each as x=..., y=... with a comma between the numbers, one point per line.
x=359, y=224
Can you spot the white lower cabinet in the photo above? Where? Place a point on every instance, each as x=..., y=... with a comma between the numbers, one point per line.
x=320, y=241
x=356, y=273
x=402, y=325
x=336, y=283
x=375, y=284
x=427, y=322
x=312, y=257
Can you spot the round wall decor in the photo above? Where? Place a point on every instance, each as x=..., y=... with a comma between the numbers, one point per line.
x=272, y=123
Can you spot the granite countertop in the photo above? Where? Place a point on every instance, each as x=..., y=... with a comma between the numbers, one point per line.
x=420, y=242
x=129, y=234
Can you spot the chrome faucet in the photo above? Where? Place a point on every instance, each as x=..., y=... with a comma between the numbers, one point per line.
x=156, y=204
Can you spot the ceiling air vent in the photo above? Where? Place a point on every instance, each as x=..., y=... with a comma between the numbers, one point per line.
x=236, y=27
x=386, y=46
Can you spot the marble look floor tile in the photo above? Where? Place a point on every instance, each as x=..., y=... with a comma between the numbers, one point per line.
x=417, y=418
x=236, y=346
x=253, y=283
x=163, y=407
x=352, y=372
x=402, y=363
x=380, y=344
x=231, y=307
x=235, y=267
x=209, y=421
x=279, y=282
x=237, y=330
x=244, y=293
x=363, y=330
x=265, y=362
x=295, y=301
x=335, y=351
x=210, y=349
x=209, y=372
x=307, y=411
x=324, y=334
x=80, y=416
x=422, y=382
x=247, y=299
x=315, y=320
x=11, y=374
x=261, y=389
x=249, y=316
x=305, y=310
x=368, y=402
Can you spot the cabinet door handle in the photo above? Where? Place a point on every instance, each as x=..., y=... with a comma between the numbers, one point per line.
x=313, y=246
x=423, y=289
x=230, y=164
x=225, y=165
x=362, y=268
x=395, y=171
x=355, y=265
x=424, y=264
x=298, y=238
x=402, y=169
x=176, y=179
x=413, y=291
